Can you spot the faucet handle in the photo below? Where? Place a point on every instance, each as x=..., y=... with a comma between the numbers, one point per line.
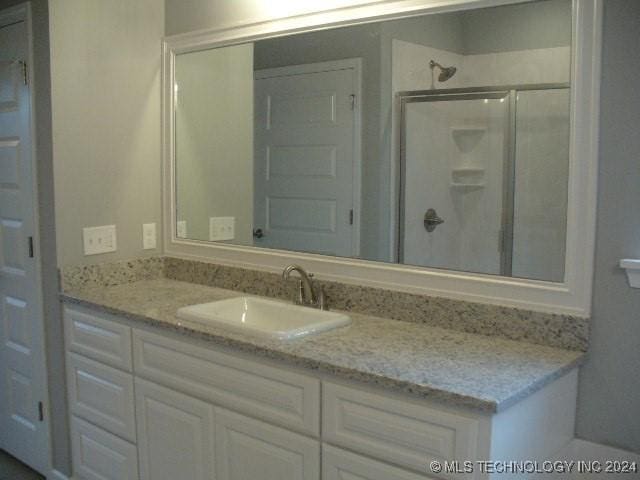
x=322, y=299
x=298, y=298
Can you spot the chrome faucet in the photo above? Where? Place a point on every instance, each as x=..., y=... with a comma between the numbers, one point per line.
x=306, y=294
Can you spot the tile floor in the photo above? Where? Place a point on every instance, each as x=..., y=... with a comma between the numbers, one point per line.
x=12, y=469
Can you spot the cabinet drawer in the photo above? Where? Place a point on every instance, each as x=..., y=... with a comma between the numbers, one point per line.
x=247, y=449
x=338, y=464
x=95, y=336
x=98, y=455
x=101, y=395
x=403, y=433
x=271, y=394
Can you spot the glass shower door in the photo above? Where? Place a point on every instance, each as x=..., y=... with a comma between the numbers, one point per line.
x=541, y=184
x=454, y=152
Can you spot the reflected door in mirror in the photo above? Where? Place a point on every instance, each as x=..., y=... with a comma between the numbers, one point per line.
x=305, y=160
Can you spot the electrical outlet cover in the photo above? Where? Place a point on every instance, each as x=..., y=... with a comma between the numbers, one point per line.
x=181, y=229
x=148, y=236
x=221, y=228
x=99, y=240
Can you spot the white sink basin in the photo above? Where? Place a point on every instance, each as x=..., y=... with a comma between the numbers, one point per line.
x=264, y=318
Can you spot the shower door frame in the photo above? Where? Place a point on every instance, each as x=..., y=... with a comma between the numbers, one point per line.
x=440, y=96
x=509, y=92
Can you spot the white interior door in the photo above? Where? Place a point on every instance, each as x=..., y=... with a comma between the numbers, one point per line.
x=453, y=159
x=307, y=158
x=23, y=429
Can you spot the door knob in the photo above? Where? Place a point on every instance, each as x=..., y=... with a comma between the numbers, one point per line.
x=431, y=220
x=258, y=233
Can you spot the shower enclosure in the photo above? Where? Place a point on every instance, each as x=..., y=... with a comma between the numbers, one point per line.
x=473, y=165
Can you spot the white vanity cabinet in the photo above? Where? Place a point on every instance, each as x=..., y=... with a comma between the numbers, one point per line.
x=100, y=395
x=163, y=416
x=153, y=405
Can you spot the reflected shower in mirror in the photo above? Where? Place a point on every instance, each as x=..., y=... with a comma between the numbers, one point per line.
x=439, y=141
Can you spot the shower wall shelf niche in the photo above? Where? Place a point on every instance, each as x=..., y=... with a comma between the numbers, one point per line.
x=467, y=178
x=467, y=138
x=464, y=170
x=467, y=186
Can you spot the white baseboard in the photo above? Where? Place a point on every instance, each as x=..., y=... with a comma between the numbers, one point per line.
x=56, y=475
x=598, y=450
x=583, y=451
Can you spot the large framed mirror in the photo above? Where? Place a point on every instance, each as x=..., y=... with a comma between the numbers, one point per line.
x=446, y=150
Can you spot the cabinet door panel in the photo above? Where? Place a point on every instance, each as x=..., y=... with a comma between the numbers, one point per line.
x=280, y=396
x=98, y=455
x=175, y=434
x=102, y=395
x=339, y=464
x=248, y=450
x=96, y=336
x=395, y=431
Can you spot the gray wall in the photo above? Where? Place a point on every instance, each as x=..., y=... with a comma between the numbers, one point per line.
x=188, y=15
x=517, y=27
x=443, y=31
x=105, y=80
x=41, y=95
x=214, y=172
x=609, y=397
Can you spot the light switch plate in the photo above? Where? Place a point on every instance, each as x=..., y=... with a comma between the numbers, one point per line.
x=221, y=228
x=98, y=240
x=148, y=236
x=181, y=229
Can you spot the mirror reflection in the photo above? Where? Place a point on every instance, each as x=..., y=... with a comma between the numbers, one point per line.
x=438, y=140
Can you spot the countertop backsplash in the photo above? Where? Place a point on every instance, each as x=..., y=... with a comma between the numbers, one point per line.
x=555, y=330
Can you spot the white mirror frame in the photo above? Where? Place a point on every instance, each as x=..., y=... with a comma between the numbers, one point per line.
x=572, y=297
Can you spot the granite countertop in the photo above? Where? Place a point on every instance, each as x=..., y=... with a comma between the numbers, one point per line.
x=460, y=369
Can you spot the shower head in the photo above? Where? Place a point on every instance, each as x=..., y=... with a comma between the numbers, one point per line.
x=445, y=72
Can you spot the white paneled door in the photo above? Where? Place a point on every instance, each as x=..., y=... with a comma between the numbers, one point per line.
x=23, y=426
x=307, y=157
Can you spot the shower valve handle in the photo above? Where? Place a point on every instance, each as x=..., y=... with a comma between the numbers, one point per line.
x=431, y=220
